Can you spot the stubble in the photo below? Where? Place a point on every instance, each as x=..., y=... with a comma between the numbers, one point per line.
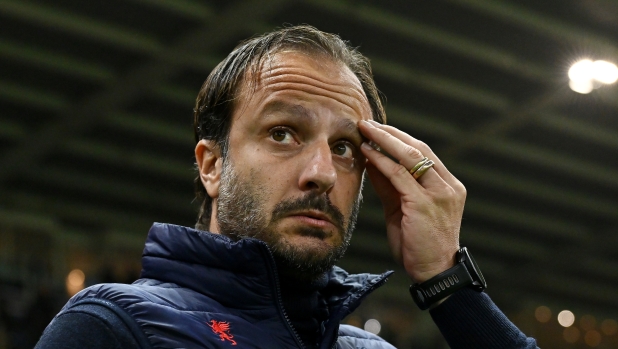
x=241, y=214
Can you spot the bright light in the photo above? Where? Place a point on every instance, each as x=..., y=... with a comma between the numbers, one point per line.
x=566, y=318
x=582, y=71
x=75, y=281
x=373, y=326
x=605, y=72
x=76, y=277
x=583, y=87
x=542, y=314
x=587, y=75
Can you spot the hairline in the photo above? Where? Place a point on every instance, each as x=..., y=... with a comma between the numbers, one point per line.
x=257, y=66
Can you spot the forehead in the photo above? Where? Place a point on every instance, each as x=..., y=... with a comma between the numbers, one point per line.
x=319, y=65
x=302, y=74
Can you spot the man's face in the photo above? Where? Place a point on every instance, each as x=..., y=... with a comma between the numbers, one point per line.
x=293, y=173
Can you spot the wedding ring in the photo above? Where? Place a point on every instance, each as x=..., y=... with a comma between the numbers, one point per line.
x=422, y=169
x=418, y=165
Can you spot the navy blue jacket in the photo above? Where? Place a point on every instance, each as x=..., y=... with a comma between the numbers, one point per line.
x=201, y=290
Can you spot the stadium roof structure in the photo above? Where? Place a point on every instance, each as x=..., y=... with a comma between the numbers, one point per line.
x=96, y=123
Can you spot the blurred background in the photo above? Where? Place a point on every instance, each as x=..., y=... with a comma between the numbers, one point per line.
x=96, y=143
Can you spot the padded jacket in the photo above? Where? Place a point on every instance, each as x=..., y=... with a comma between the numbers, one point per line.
x=203, y=290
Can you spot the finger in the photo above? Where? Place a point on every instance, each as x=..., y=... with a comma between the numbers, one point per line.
x=421, y=146
x=388, y=195
x=415, y=146
x=396, y=173
x=381, y=184
x=407, y=155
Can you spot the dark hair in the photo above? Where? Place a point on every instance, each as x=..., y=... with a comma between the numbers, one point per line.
x=216, y=100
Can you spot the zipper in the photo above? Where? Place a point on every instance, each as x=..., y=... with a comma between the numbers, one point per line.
x=275, y=277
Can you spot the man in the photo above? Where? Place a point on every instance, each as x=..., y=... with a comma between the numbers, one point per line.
x=283, y=128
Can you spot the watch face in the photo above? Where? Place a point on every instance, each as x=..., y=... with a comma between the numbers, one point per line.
x=475, y=271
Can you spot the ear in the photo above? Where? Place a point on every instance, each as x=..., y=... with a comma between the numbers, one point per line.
x=209, y=163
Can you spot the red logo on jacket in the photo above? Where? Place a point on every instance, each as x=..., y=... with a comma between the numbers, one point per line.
x=222, y=328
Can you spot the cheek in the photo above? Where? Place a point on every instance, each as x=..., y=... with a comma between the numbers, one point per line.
x=350, y=188
x=271, y=174
x=275, y=180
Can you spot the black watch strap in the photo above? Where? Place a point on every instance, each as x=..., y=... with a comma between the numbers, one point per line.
x=440, y=286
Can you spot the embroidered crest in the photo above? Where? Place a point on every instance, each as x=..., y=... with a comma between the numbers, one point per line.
x=222, y=328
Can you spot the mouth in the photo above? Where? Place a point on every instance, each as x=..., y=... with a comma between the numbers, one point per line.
x=313, y=218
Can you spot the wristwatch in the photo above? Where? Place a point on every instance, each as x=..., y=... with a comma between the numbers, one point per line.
x=465, y=273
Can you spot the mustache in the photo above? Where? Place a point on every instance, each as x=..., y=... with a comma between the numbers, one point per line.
x=311, y=201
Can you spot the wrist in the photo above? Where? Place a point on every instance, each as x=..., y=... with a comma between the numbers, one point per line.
x=420, y=276
x=465, y=273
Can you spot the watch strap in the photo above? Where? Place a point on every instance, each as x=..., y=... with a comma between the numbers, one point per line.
x=438, y=287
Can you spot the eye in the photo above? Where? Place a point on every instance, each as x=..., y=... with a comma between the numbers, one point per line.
x=343, y=150
x=281, y=136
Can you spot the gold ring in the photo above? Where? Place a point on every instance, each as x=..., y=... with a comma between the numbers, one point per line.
x=418, y=165
x=421, y=170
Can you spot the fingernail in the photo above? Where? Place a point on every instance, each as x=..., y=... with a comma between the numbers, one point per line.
x=366, y=146
x=375, y=146
x=374, y=123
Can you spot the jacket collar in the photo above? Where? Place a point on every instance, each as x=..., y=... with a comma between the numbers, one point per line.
x=213, y=264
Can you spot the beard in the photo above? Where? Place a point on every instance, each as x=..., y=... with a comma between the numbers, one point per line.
x=241, y=214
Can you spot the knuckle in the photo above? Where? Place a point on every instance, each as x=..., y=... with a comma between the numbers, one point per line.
x=424, y=147
x=412, y=152
x=459, y=189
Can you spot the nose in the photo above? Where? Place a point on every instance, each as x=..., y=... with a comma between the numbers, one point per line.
x=319, y=172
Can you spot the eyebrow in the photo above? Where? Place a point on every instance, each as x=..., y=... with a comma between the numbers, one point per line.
x=349, y=127
x=297, y=109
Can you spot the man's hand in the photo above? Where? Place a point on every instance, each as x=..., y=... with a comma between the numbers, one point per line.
x=423, y=216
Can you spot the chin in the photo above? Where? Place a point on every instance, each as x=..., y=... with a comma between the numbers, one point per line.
x=311, y=246
x=313, y=240
x=306, y=257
